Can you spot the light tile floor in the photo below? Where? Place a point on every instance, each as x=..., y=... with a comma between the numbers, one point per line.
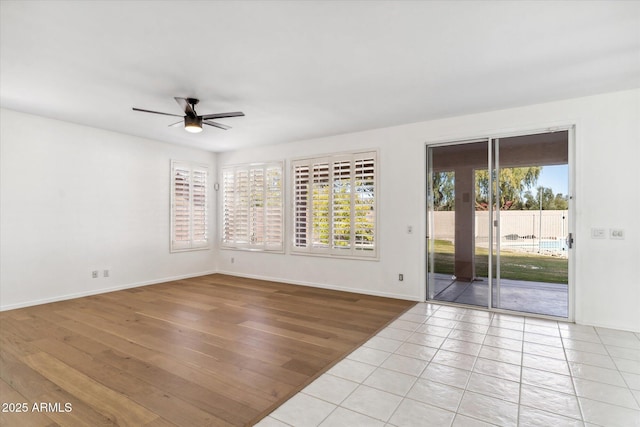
x=449, y=366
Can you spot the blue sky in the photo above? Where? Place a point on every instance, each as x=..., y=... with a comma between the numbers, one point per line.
x=556, y=178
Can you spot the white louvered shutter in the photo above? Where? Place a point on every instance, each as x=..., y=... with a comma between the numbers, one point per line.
x=242, y=207
x=364, y=203
x=199, y=208
x=189, y=206
x=320, y=206
x=301, y=210
x=341, y=208
x=274, y=217
x=334, y=205
x=228, y=206
x=253, y=206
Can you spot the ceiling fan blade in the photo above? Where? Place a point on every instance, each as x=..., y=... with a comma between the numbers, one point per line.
x=217, y=125
x=176, y=124
x=222, y=115
x=155, y=112
x=186, y=107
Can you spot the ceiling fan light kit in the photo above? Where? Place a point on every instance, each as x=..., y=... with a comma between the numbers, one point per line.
x=192, y=121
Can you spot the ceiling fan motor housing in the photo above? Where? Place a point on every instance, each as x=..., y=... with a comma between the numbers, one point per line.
x=193, y=124
x=192, y=121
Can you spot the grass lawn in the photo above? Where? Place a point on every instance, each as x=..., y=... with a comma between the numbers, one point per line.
x=513, y=265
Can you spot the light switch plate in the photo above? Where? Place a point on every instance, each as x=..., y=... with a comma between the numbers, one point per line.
x=616, y=233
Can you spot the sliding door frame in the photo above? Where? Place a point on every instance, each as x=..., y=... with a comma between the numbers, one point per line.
x=571, y=135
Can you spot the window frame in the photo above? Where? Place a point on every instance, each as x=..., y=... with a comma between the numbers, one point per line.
x=329, y=251
x=191, y=244
x=252, y=194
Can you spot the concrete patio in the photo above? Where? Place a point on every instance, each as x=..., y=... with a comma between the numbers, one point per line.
x=549, y=299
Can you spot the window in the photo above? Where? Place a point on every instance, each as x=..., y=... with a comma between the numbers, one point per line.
x=252, y=216
x=334, y=210
x=189, y=206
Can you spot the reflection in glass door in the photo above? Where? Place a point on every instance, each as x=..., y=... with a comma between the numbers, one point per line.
x=498, y=223
x=457, y=268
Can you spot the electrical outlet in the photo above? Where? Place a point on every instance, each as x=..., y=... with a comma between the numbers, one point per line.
x=400, y=277
x=598, y=233
x=233, y=260
x=105, y=273
x=616, y=233
x=409, y=229
x=94, y=274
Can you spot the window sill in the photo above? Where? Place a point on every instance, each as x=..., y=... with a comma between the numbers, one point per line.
x=174, y=251
x=266, y=251
x=374, y=258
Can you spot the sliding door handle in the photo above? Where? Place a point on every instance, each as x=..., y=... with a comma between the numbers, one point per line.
x=569, y=241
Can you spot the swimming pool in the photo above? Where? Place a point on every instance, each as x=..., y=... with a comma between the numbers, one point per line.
x=535, y=245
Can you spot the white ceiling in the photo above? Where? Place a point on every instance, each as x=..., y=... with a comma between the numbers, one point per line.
x=300, y=70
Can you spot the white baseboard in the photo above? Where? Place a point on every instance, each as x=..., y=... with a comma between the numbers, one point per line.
x=320, y=285
x=606, y=325
x=101, y=291
x=253, y=276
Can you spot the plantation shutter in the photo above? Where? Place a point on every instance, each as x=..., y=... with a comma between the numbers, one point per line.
x=252, y=207
x=229, y=220
x=199, y=208
x=321, y=212
x=257, y=207
x=364, y=203
x=241, y=206
x=301, y=211
x=181, y=206
x=274, y=217
x=341, y=210
x=189, y=206
x=334, y=209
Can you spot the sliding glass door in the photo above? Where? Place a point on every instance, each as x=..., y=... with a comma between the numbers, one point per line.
x=457, y=264
x=498, y=223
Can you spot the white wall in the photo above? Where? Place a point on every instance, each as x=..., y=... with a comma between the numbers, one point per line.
x=607, y=178
x=75, y=199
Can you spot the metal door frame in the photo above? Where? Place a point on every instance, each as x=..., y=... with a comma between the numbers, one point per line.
x=571, y=220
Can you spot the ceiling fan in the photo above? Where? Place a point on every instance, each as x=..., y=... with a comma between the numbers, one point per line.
x=192, y=121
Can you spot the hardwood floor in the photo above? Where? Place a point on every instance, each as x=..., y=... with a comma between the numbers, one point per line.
x=209, y=351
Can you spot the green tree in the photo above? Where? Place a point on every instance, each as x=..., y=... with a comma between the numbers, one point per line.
x=512, y=183
x=339, y=193
x=444, y=191
x=561, y=202
x=341, y=208
x=320, y=206
x=550, y=201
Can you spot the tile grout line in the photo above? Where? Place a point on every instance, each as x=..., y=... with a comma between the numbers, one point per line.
x=456, y=319
x=419, y=375
x=573, y=383
x=471, y=373
x=339, y=405
x=521, y=369
x=626, y=382
x=379, y=366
